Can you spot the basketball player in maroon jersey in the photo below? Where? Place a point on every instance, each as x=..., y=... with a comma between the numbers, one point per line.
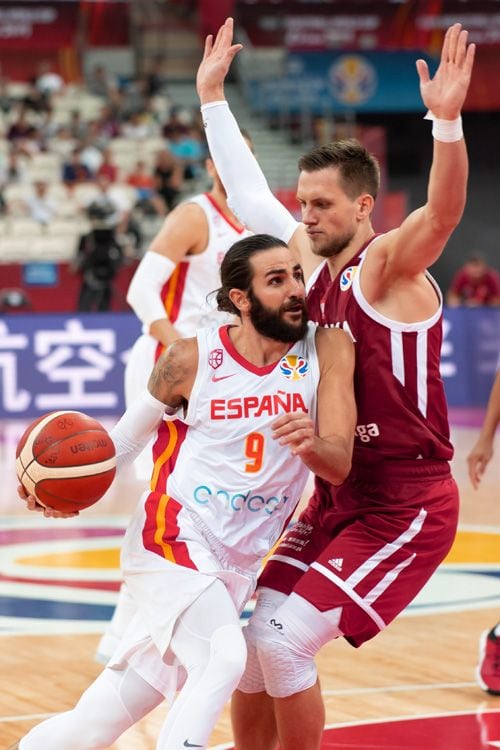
x=362, y=551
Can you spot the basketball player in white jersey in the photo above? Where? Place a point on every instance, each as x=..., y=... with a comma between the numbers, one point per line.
x=170, y=294
x=238, y=431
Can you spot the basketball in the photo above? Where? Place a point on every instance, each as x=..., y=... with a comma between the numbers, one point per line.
x=66, y=460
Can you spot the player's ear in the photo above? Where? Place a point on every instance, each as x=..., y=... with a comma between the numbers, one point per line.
x=240, y=300
x=365, y=205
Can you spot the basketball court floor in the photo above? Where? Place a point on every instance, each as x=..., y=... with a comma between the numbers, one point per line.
x=412, y=687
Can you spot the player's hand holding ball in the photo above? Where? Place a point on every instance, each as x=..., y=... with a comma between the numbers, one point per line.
x=65, y=462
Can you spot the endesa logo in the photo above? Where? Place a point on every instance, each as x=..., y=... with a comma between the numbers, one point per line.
x=237, y=501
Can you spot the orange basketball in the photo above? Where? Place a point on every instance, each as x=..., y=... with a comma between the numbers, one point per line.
x=66, y=460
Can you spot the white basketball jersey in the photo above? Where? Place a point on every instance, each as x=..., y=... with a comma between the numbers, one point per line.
x=219, y=462
x=184, y=295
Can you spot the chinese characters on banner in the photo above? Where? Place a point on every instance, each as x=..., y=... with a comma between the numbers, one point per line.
x=64, y=362
x=50, y=362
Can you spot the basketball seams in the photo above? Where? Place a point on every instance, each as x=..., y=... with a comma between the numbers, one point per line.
x=69, y=472
x=26, y=453
x=85, y=441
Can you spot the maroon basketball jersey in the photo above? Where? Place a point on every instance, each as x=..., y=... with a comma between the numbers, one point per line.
x=402, y=411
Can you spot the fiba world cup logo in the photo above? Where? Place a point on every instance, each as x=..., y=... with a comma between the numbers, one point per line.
x=347, y=277
x=353, y=79
x=215, y=358
x=294, y=367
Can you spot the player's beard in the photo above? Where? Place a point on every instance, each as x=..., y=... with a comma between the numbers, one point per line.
x=270, y=323
x=333, y=245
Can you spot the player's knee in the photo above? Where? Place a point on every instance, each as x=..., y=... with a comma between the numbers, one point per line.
x=285, y=672
x=288, y=644
x=228, y=653
x=268, y=601
x=252, y=680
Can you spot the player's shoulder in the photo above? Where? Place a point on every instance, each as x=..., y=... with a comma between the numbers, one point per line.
x=182, y=354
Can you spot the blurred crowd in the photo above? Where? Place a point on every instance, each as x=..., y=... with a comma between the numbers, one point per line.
x=109, y=142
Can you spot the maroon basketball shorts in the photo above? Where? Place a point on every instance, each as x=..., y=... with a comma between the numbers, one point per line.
x=370, y=545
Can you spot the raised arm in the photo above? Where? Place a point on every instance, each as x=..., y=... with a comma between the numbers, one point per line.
x=184, y=232
x=421, y=238
x=247, y=189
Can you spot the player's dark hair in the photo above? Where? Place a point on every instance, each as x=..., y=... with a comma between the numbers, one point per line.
x=358, y=169
x=236, y=270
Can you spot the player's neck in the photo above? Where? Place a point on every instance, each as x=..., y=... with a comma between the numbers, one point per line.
x=218, y=195
x=337, y=262
x=254, y=347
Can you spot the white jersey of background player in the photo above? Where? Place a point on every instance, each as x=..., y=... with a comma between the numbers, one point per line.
x=169, y=290
x=231, y=461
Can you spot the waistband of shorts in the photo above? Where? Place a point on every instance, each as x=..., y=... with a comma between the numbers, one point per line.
x=408, y=469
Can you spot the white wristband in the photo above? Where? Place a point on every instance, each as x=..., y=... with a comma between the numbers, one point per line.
x=446, y=131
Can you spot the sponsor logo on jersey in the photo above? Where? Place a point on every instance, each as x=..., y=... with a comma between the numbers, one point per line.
x=234, y=502
x=216, y=379
x=215, y=358
x=347, y=277
x=294, y=367
x=337, y=563
x=365, y=432
x=251, y=407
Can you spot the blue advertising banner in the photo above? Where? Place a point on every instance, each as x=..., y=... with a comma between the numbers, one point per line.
x=50, y=362
x=469, y=355
x=343, y=82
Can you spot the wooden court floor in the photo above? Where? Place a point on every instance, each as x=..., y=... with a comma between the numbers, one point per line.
x=421, y=668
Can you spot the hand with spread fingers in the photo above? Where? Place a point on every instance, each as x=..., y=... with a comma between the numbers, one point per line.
x=217, y=58
x=445, y=93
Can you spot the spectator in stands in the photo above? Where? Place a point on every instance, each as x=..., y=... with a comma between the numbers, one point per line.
x=40, y=206
x=156, y=80
x=137, y=128
x=48, y=129
x=474, y=284
x=108, y=124
x=101, y=83
x=74, y=171
x=108, y=168
x=148, y=199
x=35, y=100
x=63, y=143
x=13, y=169
x=31, y=143
x=76, y=125
x=136, y=95
x=189, y=151
x=91, y=151
x=168, y=175
x=20, y=127
x=48, y=82
x=176, y=124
